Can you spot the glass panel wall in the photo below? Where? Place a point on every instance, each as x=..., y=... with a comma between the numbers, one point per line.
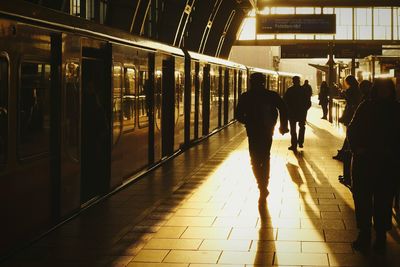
x=369, y=24
x=382, y=24
x=363, y=20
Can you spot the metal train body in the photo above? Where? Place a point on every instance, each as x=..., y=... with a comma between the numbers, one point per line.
x=84, y=108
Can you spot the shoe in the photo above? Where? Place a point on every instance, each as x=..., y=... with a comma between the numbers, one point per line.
x=324, y=118
x=293, y=148
x=338, y=157
x=363, y=241
x=301, y=146
x=379, y=245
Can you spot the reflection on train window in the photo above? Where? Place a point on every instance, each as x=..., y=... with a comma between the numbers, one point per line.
x=34, y=109
x=179, y=90
x=129, y=99
x=72, y=109
x=214, y=97
x=158, y=98
x=143, y=106
x=3, y=109
x=117, y=102
x=273, y=83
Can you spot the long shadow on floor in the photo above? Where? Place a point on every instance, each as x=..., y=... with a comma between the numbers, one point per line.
x=316, y=181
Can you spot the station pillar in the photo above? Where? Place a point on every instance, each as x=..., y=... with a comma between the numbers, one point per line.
x=331, y=79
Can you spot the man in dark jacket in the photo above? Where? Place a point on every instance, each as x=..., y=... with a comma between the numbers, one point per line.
x=373, y=136
x=298, y=101
x=258, y=110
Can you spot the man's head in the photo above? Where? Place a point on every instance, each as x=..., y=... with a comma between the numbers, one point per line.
x=350, y=81
x=257, y=81
x=296, y=80
x=305, y=82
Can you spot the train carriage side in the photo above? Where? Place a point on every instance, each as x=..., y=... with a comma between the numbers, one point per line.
x=80, y=112
x=285, y=81
x=222, y=81
x=29, y=104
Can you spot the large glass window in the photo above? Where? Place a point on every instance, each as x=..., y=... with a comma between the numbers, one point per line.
x=344, y=23
x=3, y=109
x=369, y=24
x=129, y=99
x=117, y=102
x=34, y=109
x=382, y=23
x=396, y=23
x=143, y=105
x=71, y=108
x=363, y=20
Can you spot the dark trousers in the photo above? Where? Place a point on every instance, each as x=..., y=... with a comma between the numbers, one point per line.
x=373, y=191
x=259, y=148
x=324, y=110
x=293, y=131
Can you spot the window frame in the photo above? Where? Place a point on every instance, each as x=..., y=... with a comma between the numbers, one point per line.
x=135, y=99
x=141, y=80
x=121, y=119
x=43, y=154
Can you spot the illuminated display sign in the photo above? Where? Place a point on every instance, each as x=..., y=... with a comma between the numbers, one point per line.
x=311, y=24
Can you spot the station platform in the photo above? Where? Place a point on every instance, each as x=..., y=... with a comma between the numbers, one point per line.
x=200, y=209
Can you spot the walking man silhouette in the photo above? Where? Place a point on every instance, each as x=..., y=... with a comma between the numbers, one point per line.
x=298, y=101
x=258, y=110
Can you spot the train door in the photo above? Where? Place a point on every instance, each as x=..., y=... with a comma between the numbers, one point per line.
x=96, y=109
x=168, y=106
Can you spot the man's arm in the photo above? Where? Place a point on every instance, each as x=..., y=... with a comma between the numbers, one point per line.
x=283, y=114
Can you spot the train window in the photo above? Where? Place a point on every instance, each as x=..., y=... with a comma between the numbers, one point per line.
x=117, y=102
x=179, y=90
x=71, y=108
x=143, y=107
x=34, y=109
x=3, y=109
x=214, y=97
x=129, y=99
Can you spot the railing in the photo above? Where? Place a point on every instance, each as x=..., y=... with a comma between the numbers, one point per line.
x=337, y=111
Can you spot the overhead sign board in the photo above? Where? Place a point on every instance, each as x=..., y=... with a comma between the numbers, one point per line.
x=357, y=51
x=311, y=24
x=322, y=50
x=304, y=51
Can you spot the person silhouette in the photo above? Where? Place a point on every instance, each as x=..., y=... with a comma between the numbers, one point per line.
x=323, y=98
x=298, y=101
x=258, y=110
x=373, y=136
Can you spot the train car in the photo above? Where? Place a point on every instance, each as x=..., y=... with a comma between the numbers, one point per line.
x=85, y=109
x=277, y=81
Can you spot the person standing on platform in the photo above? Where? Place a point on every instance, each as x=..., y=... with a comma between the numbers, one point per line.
x=298, y=101
x=258, y=110
x=323, y=98
x=373, y=136
x=352, y=96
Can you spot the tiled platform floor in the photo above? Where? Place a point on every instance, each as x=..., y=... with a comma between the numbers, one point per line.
x=200, y=210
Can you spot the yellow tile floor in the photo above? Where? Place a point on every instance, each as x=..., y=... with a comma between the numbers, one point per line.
x=212, y=219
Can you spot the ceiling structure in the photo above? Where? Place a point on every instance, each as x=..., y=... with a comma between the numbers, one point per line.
x=204, y=26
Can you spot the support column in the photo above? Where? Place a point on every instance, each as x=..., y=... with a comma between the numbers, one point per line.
x=331, y=78
x=353, y=67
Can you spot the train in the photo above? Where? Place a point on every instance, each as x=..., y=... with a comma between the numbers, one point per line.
x=85, y=108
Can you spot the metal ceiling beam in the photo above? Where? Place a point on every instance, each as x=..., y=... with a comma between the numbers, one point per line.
x=327, y=3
